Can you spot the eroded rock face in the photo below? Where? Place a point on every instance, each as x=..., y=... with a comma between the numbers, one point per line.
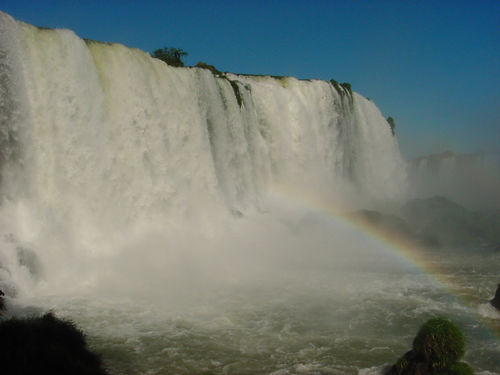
x=495, y=302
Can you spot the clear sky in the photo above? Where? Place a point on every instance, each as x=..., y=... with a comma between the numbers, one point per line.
x=434, y=66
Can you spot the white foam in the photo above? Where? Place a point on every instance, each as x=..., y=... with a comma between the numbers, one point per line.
x=113, y=145
x=486, y=310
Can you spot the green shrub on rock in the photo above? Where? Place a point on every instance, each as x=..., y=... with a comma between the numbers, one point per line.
x=437, y=348
x=171, y=56
x=459, y=368
x=212, y=68
x=440, y=342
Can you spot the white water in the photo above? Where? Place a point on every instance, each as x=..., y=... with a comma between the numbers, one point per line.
x=102, y=142
x=143, y=201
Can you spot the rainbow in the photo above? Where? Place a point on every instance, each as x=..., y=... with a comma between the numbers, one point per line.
x=407, y=251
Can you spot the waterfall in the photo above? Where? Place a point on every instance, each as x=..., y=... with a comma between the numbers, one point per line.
x=100, y=141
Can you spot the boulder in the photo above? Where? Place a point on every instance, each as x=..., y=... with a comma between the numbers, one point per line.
x=495, y=302
x=437, y=349
x=45, y=345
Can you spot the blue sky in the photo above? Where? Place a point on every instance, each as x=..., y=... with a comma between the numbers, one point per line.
x=434, y=66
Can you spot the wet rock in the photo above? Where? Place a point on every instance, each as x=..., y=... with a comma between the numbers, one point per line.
x=387, y=222
x=441, y=223
x=495, y=302
x=45, y=345
x=2, y=301
x=437, y=349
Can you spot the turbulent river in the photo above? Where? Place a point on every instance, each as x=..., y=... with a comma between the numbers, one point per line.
x=293, y=304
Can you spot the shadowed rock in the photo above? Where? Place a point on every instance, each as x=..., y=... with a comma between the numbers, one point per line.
x=45, y=345
x=437, y=349
x=2, y=302
x=495, y=302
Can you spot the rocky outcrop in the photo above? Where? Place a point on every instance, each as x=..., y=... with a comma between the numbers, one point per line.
x=45, y=345
x=495, y=302
x=439, y=222
x=437, y=350
x=384, y=221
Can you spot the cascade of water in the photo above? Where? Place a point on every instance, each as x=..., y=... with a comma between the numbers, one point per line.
x=99, y=140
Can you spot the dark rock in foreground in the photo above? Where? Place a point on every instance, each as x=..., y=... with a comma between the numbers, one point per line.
x=45, y=345
x=495, y=302
x=437, y=349
x=2, y=302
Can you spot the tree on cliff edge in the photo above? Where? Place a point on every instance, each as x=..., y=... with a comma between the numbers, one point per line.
x=172, y=56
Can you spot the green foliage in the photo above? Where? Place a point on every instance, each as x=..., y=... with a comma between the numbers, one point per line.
x=441, y=342
x=212, y=68
x=392, y=124
x=347, y=86
x=437, y=348
x=460, y=368
x=342, y=88
x=172, y=56
x=283, y=80
x=337, y=87
x=219, y=74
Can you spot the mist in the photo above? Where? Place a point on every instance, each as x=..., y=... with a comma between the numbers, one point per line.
x=472, y=180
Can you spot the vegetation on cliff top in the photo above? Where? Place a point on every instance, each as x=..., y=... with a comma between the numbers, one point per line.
x=391, y=123
x=172, y=56
x=342, y=88
x=212, y=68
x=220, y=74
